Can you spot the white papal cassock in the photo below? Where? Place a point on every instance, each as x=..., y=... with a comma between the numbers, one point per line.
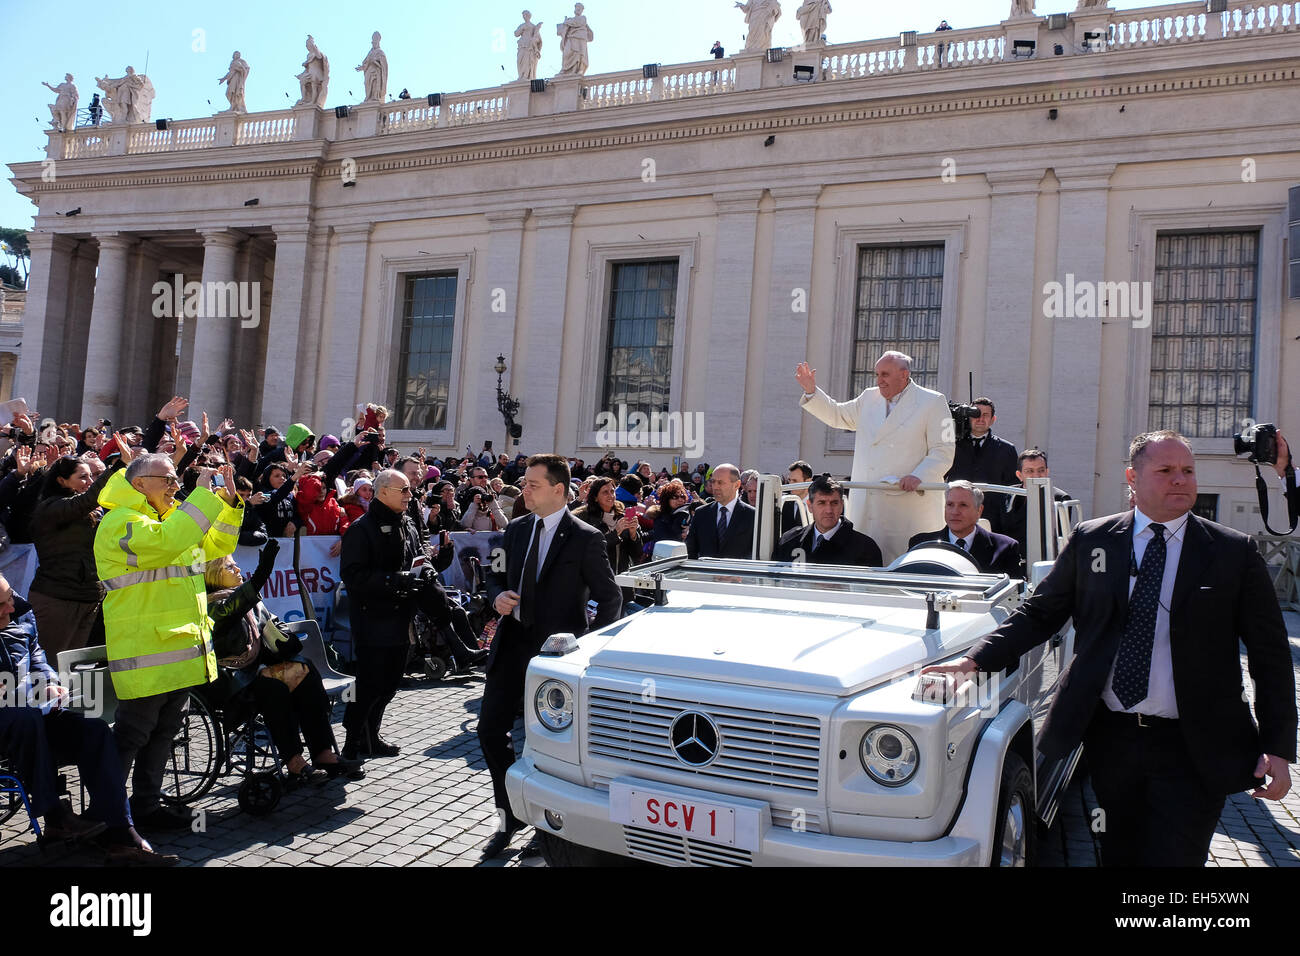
x=916, y=438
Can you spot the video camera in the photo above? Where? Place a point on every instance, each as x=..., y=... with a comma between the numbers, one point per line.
x=1258, y=442
x=961, y=418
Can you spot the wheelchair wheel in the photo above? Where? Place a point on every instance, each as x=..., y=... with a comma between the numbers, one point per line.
x=197, y=752
x=9, y=805
x=259, y=794
x=251, y=750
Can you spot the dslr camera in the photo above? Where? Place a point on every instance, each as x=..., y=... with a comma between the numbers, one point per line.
x=961, y=418
x=1258, y=442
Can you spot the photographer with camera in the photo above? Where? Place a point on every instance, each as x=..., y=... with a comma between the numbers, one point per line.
x=1264, y=444
x=484, y=512
x=383, y=568
x=982, y=457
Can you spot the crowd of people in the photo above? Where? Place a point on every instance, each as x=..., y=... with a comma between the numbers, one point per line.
x=134, y=529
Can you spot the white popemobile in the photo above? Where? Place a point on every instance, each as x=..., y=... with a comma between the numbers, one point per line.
x=764, y=714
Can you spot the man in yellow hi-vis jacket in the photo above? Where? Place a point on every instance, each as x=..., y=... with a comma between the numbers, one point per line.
x=150, y=554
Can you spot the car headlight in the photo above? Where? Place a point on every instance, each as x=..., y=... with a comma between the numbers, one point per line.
x=889, y=755
x=554, y=705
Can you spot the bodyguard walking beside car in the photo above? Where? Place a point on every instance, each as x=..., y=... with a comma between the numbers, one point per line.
x=554, y=561
x=1160, y=599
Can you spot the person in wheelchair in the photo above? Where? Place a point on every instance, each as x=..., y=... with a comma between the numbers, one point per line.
x=260, y=669
x=38, y=732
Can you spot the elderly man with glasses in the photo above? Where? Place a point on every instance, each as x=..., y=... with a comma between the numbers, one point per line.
x=150, y=554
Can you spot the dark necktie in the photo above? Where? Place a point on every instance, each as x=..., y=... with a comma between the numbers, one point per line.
x=722, y=522
x=817, y=543
x=961, y=543
x=1133, y=663
x=528, y=581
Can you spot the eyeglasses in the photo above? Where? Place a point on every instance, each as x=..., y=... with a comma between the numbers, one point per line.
x=172, y=480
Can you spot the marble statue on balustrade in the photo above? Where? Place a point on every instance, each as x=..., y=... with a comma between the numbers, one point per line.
x=1021, y=8
x=315, y=76
x=234, y=79
x=375, y=69
x=574, y=37
x=1091, y=5
x=760, y=17
x=127, y=99
x=530, y=47
x=64, y=107
x=812, y=17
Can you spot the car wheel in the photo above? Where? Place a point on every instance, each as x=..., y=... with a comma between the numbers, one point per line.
x=1015, y=838
x=559, y=852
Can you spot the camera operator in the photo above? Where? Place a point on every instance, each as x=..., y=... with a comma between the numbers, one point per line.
x=1283, y=465
x=484, y=512
x=983, y=457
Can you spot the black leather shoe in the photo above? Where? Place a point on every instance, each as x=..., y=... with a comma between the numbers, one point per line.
x=348, y=769
x=379, y=747
x=163, y=818
x=351, y=751
x=500, y=840
x=72, y=829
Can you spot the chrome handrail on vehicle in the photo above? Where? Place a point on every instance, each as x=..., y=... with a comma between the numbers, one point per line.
x=1040, y=501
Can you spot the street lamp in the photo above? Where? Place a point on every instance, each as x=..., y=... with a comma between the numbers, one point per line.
x=506, y=405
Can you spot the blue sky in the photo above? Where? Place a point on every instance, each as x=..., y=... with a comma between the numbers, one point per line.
x=431, y=46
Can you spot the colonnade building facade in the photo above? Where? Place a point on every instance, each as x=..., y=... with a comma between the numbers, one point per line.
x=1099, y=236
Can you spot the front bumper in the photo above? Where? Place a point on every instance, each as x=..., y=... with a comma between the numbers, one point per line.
x=587, y=822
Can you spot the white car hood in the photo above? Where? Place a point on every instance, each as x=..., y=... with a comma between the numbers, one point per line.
x=820, y=652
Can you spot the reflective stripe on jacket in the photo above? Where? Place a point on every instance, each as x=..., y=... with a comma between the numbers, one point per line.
x=156, y=610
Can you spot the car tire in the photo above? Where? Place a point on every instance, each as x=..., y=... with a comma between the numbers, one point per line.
x=562, y=853
x=1015, y=836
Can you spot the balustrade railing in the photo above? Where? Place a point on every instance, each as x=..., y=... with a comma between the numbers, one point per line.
x=1107, y=31
x=265, y=128
x=179, y=135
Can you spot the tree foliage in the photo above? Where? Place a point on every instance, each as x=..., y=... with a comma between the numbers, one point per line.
x=14, y=244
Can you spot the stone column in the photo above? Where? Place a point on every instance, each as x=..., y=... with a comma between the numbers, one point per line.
x=288, y=302
x=44, y=318
x=8, y=364
x=210, y=368
x=140, y=352
x=1076, y=343
x=496, y=330
x=336, y=359
x=76, y=329
x=727, y=356
x=100, y=397
x=1011, y=305
x=789, y=288
x=248, y=340
x=535, y=374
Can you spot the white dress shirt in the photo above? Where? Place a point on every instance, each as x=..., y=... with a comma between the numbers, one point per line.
x=548, y=526
x=969, y=539
x=1160, y=700
x=820, y=537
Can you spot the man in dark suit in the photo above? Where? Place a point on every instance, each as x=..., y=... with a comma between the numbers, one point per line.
x=1160, y=599
x=830, y=539
x=1013, y=514
x=794, y=504
x=963, y=504
x=987, y=459
x=554, y=562
x=724, y=528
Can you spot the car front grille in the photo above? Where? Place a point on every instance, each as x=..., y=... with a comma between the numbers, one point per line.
x=777, y=750
x=681, y=851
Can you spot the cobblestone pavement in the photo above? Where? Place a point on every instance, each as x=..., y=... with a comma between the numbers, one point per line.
x=432, y=806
